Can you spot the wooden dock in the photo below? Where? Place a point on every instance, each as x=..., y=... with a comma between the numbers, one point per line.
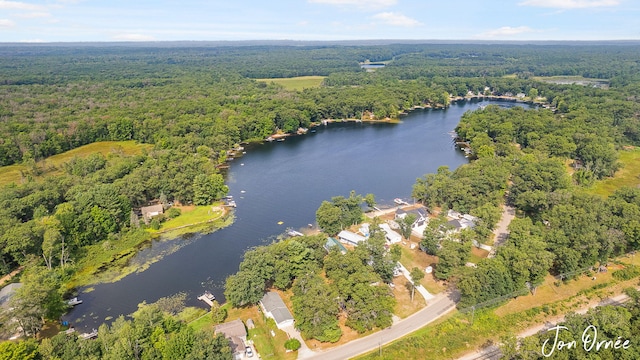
x=93, y=334
x=207, y=297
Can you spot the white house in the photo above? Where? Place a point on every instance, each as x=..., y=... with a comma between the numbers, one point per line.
x=350, y=238
x=273, y=307
x=420, y=213
x=391, y=236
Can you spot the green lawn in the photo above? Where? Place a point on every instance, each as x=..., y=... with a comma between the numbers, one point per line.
x=51, y=165
x=191, y=216
x=296, y=83
x=628, y=175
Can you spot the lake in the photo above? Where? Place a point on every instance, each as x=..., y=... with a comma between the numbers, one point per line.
x=286, y=182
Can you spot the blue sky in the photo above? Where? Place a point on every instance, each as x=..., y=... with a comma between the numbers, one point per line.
x=161, y=20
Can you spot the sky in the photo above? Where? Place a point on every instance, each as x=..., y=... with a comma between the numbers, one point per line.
x=215, y=20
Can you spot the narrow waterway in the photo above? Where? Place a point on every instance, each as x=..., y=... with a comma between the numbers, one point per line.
x=286, y=182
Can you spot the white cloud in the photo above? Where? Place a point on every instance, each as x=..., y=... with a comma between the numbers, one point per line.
x=32, y=41
x=17, y=5
x=570, y=4
x=34, y=15
x=360, y=4
x=506, y=31
x=395, y=19
x=133, y=37
x=6, y=23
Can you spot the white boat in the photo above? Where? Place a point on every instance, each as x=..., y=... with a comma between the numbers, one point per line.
x=400, y=201
x=73, y=302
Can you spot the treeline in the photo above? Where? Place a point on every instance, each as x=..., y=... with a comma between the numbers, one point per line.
x=150, y=334
x=325, y=284
x=523, y=156
x=93, y=200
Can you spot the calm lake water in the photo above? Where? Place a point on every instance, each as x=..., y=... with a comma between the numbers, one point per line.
x=285, y=181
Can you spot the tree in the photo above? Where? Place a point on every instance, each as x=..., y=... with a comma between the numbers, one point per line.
x=316, y=309
x=39, y=298
x=218, y=313
x=244, y=288
x=206, y=189
x=405, y=225
x=416, y=276
x=451, y=256
x=370, y=200
x=328, y=218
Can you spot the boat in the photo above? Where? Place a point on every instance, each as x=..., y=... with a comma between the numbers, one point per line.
x=400, y=201
x=231, y=203
x=280, y=139
x=73, y=302
x=270, y=139
x=91, y=335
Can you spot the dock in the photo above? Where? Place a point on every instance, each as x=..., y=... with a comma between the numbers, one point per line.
x=207, y=297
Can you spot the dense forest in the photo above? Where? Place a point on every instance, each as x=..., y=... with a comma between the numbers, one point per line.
x=191, y=104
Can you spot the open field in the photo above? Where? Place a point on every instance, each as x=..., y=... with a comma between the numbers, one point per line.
x=296, y=83
x=578, y=80
x=628, y=175
x=51, y=165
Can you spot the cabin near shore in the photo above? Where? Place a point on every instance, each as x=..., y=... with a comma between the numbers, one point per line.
x=273, y=307
x=149, y=212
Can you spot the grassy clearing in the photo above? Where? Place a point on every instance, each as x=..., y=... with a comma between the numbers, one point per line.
x=628, y=175
x=477, y=255
x=420, y=259
x=190, y=217
x=296, y=83
x=51, y=165
x=402, y=292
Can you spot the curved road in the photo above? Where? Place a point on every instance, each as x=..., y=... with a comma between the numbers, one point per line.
x=439, y=306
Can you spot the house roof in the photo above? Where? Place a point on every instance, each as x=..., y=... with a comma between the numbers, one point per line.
x=152, y=209
x=455, y=223
x=351, y=237
x=331, y=242
x=231, y=329
x=391, y=235
x=272, y=303
x=7, y=292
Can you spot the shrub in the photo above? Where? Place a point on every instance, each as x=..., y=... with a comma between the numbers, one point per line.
x=173, y=213
x=628, y=273
x=292, y=344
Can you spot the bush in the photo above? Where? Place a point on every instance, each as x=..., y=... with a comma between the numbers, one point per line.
x=155, y=224
x=628, y=273
x=292, y=344
x=173, y=213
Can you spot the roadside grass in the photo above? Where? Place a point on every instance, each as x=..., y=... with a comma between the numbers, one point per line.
x=402, y=292
x=628, y=175
x=420, y=259
x=51, y=165
x=296, y=83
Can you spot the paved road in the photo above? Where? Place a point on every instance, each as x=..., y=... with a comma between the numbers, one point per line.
x=439, y=306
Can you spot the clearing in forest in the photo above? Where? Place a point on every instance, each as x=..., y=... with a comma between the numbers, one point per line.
x=296, y=83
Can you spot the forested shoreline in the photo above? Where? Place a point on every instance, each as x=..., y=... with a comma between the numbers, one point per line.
x=192, y=104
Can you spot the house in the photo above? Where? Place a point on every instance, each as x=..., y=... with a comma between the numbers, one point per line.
x=273, y=307
x=6, y=293
x=350, y=238
x=149, y=212
x=331, y=242
x=391, y=236
x=521, y=95
x=236, y=333
x=420, y=213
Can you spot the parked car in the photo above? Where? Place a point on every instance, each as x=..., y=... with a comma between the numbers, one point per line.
x=248, y=351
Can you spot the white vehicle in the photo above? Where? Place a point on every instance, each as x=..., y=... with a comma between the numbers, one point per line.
x=248, y=351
